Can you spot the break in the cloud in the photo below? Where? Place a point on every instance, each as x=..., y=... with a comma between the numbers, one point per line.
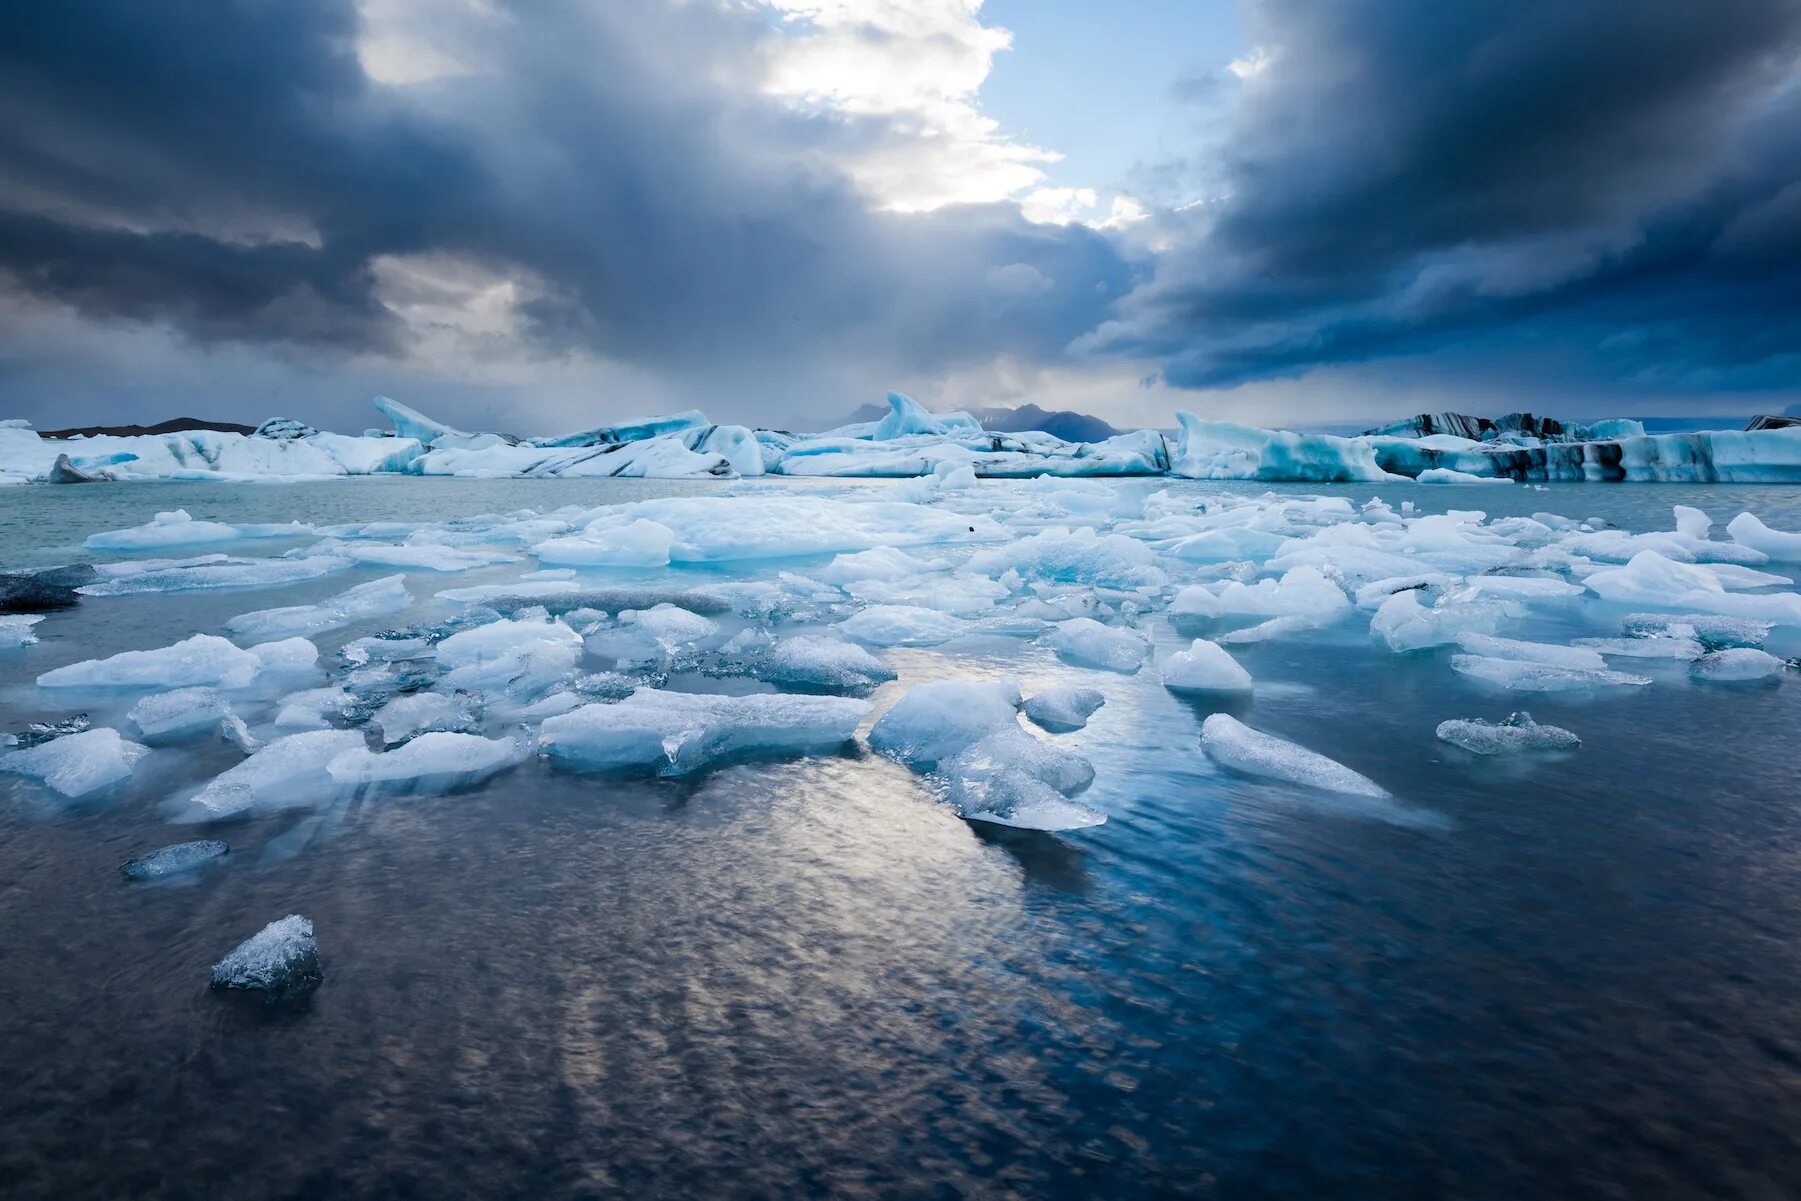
x=535, y=212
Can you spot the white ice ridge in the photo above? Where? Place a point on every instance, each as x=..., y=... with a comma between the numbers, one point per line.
x=946, y=450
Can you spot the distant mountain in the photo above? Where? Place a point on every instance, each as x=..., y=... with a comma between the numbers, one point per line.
x=175, y=425
x=1062, y=423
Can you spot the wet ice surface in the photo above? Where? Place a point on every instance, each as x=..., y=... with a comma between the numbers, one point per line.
x=807, y=974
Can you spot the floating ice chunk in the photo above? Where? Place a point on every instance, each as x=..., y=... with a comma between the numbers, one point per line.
x=1521, y=587
x=281, y=961
x=1747, y=530
x=1693, y=523
x=1734, y=577
x=438, y=761
x=520, y=655
x=1063, y=709
x=1195, y=601
x=77, y=764
x=1580, y=658
x=405, y=716
x=386, y=648
x=1522, y=676
x=1447, y=475
x=168, y=529
x=1652, y=579
x=1736, y=664
x=670, y=626
x=1275, y=627
x=958, y=595
x=308, y=709
x=1086, y=641
x=934, y=722
x=1655, y=647
x=1079, y=556
x=1301, y=590
x=674, y=733
x=1204, y=667
x=902, y=625
x=243, y=573
x=202, y=659
x=183, y=711
x=1407, y=625
x=387, y=595
x=637, y=543
x=286, y=654
x=1231, y=743
x=287, y=771
x=879, y=563
x=1518, y=733
x=174, y=860
x=823, y=662
x=1713, y=631
x=419, y=557
x=233, y=730
x=1373, y=594
x=1010, y=778
x=15, y=630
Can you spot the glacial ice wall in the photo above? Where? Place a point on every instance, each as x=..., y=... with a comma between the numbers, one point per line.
x=913, y=442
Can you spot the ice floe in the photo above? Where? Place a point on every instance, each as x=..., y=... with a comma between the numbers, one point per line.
x=77, y=764
x=1512, y=736
x=1205, y=667
x=675, y=733
x=1231, y=743
x=1061, y=710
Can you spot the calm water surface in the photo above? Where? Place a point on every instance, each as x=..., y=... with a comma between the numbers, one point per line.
x=1581, y=978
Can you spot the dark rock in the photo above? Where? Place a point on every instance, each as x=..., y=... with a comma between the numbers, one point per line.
x=1768, y=421
x=24, y=594
x=175, y=425
x=72, y=575
x=283, y=429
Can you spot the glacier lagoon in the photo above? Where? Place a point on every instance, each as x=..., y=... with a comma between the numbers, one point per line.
x=727, y=972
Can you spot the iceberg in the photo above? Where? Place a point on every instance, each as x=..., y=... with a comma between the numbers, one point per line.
x=938, y=721
x=77, y=764
x=1525, y=676
x=1516, y=734
x=1061, y=710
x=1012, y=779
x=174, y=528
x=174, y=860
x=1406, y=625
x=1232, y=744
x=1650, y=578
x=1205, y=667
x=1747, y=530
x=677, y=733
x=16, y=631
x=1085, y=641
x=388, y=595
x=280, y=961
x=182, y=711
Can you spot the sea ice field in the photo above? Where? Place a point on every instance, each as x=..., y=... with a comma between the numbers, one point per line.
x=398, y=835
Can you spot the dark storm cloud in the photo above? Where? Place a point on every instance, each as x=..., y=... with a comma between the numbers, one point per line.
x=1405, y=175
x=226, y=168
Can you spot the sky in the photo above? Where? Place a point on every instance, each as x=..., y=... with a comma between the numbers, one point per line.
x=536, y=215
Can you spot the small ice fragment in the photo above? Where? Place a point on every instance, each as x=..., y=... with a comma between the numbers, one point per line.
x=1231, y=743
x=1581, y=658
x=1518, y=733
x=77, y=764
x=403, y=717
x=1195, y=601
x=281, y=960
x=179, y=712
x=1063, y=709
x=1521, y=676
x=1747, y=530
x=1737, y=664
x=1275, y=627
x=1692, y=523
x=1657, y=646
x=15, y=630
x=175, y=528
x=1086, y=641
x=173, y=860
x=233, y=730
x=1205, y=667
x=936, y=721
x=1407, y=625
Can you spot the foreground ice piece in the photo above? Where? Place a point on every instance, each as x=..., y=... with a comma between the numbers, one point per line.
x=1747, y=530
x=1231, y=743
x=77, y=764
x=1205, y=667
x=175, y=528
x=281, y=960
x=15, y=630
x=902, y=625
x=1012, y=779
x=1522, y=676
x=1579, y=657
x=935, y=722
x=182, y=711
x=174, y=860
x=286, y=771
x=425, y=712
x=387, y=595
x=1737, y=664
x=1301, y=591
x=1653, y=579
x=520, y=655
x=437, y=762
x=1407, y=625
x=1085, y=641
x=1063, y=709
x=675, y=733
x=822, y=662
x=1518, y=733
x=192, y=576
x=202, y=659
